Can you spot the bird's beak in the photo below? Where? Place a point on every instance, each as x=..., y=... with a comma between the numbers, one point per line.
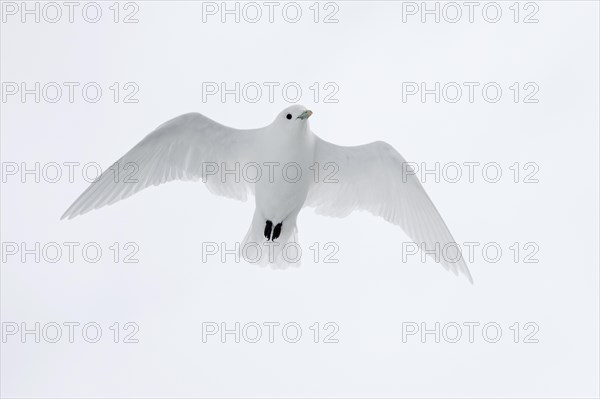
x=305, y=115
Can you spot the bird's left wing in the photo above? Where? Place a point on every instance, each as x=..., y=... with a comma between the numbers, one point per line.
x=188, y=147
x=376, y=178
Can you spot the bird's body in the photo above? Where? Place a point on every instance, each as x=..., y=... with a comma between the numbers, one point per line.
x=284, y=163
x=287, y=167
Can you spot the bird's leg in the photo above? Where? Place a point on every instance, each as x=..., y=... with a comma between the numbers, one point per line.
x=277, y=231
x=268, y=228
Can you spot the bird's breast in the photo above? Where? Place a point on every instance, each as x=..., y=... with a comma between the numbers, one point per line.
x=286, y=174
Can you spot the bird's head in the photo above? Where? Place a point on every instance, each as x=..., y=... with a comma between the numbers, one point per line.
x=294, y=117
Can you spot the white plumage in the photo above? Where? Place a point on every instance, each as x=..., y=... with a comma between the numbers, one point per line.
x=333, y=179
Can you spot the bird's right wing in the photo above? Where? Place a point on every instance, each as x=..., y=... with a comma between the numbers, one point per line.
x=188, y=147
x=376, y=178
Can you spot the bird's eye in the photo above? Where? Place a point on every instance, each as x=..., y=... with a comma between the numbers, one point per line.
x=289, y=116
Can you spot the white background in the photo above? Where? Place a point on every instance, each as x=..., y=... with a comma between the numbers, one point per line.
x=370, y=293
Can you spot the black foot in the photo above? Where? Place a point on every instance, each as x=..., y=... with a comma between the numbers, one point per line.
x=268, y=228
x=276, y=232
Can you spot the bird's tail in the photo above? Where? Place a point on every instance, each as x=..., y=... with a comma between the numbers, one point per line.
x=279, y=253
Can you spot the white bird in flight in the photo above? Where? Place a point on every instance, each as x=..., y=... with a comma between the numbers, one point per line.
x=287, y=167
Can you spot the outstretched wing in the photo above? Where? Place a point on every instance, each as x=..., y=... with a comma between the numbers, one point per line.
x=188, y=147
x=376, y=178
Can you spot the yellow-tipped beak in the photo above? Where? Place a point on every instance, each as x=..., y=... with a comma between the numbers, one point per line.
x=305, y=115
